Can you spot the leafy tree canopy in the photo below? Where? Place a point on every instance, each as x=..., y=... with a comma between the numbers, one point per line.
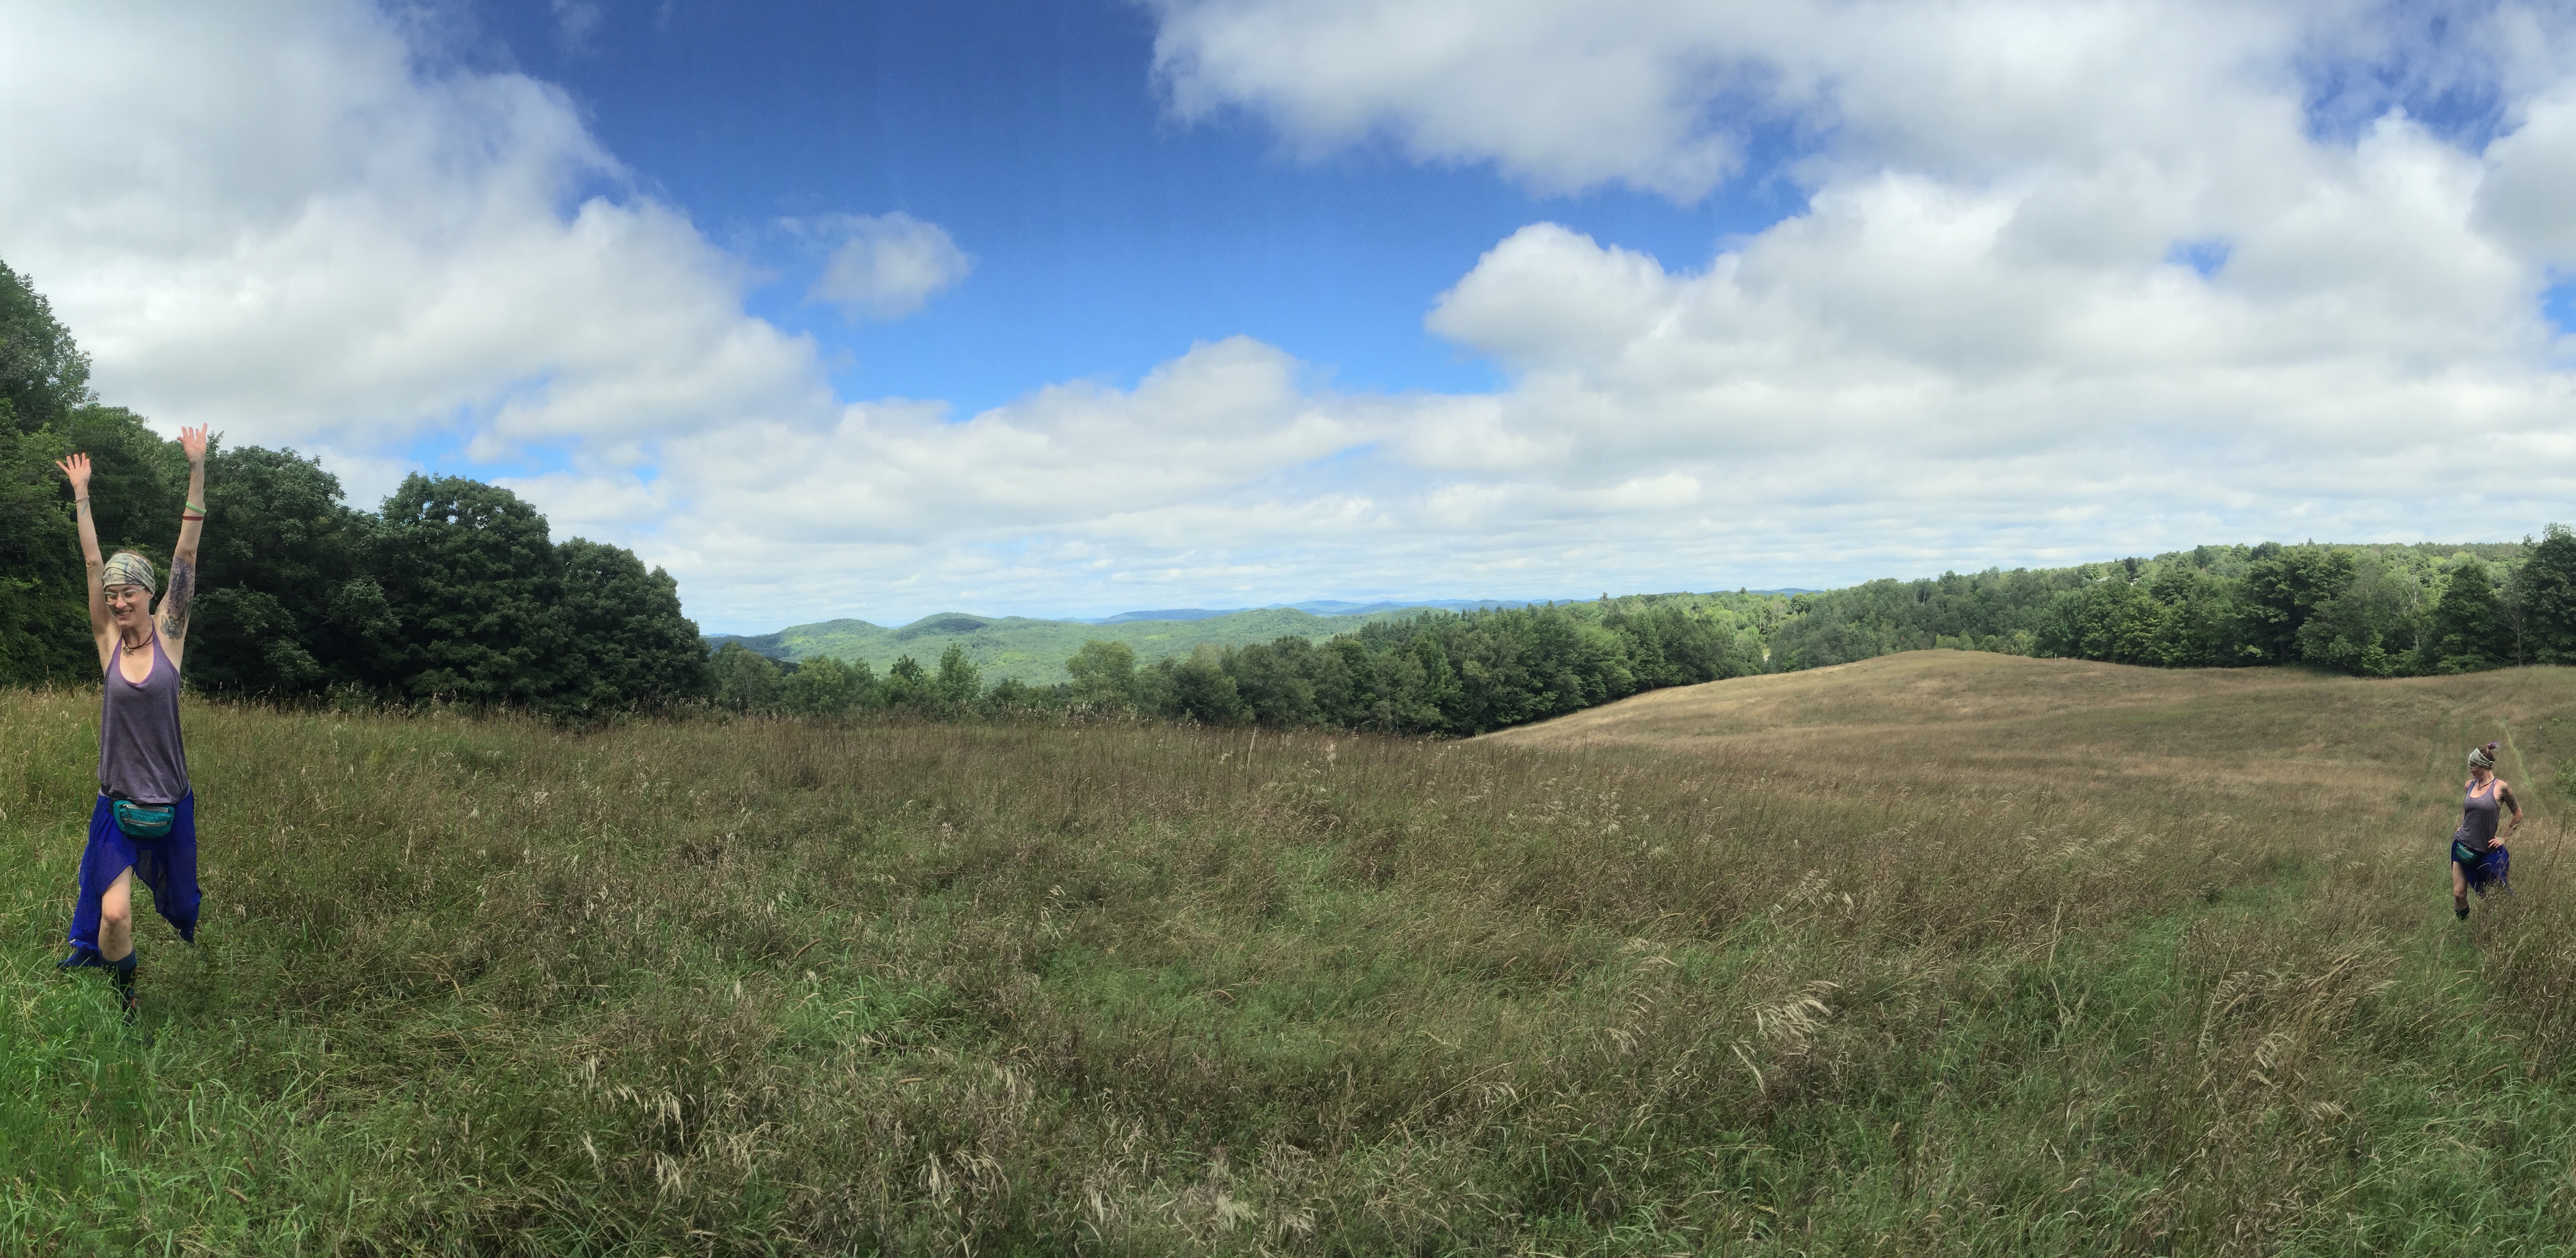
x=43, y=375
x=453, y=590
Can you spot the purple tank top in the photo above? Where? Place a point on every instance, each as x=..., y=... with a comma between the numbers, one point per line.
x=2478, y=817
x=139, y=757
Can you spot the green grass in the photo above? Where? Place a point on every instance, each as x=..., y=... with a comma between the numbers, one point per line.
x=1034, y=651
x=1993, y=962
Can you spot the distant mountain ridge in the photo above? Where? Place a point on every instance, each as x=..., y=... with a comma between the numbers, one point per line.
x=1034, y=650
x=1316, y=607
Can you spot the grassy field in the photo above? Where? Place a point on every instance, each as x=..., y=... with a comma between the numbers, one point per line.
x=1936, y=953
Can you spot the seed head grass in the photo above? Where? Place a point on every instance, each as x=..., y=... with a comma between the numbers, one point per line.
x=1936, y=953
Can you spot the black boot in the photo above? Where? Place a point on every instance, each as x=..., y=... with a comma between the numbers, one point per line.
x=121, y=972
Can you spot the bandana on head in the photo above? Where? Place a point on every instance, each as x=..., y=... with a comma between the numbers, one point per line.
x=127, y=568
x=2483, y=757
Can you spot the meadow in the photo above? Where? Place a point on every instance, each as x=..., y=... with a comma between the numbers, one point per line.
x=1933, y=953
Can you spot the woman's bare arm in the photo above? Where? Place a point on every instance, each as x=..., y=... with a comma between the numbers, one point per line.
x=2505, y=793
x=182, y=594
x=101, y=629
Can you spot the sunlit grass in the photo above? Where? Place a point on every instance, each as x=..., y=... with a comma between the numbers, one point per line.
x=1936, y=953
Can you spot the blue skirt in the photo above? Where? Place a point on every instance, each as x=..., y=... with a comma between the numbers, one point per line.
x=2482, y=867
x=168, y=865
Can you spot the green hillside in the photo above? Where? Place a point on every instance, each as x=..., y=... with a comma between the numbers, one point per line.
x=1034, y=651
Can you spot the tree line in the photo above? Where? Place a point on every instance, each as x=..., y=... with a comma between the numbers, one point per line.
x=2372, y=611
x=452, y=589
x=1433, y=673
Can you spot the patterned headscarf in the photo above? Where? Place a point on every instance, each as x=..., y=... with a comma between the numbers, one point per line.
x=2483, y=757
x=127, y=568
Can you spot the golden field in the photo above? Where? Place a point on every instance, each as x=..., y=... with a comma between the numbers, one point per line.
x=1935, y=953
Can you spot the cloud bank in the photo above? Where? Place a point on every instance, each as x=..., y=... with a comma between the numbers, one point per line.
x=271, y=219
x=2068, y=282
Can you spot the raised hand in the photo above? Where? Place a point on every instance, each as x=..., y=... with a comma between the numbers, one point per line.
x=76, y=469
x=182, y=589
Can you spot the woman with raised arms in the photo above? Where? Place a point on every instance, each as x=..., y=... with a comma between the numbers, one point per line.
x=145, y=825
x=2478, y=856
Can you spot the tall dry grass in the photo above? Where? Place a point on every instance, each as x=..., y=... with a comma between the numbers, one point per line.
x=1937, y=953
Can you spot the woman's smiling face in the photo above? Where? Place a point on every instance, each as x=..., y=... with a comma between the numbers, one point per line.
x=127, y=605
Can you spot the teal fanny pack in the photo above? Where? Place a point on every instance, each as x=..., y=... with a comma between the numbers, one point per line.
x=144, y=821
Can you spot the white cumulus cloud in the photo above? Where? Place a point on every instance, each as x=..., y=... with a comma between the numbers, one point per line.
x=1983, y=336
x=884, y=266
x=275, y=219
x=2066, y=282
x=1662, y=94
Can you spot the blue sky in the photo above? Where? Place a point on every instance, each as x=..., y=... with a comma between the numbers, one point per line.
x=1108, y=236
x=881, y=310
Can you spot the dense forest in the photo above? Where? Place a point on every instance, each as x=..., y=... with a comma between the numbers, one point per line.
x=2375, y=611
x=453, y=590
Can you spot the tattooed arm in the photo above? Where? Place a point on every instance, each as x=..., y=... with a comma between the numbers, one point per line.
x=175, y=601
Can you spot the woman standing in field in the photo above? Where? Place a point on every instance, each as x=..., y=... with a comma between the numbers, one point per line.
x=145, y=824
x=2478, y=855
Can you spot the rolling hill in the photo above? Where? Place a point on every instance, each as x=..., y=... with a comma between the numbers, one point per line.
x=1034, y=651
